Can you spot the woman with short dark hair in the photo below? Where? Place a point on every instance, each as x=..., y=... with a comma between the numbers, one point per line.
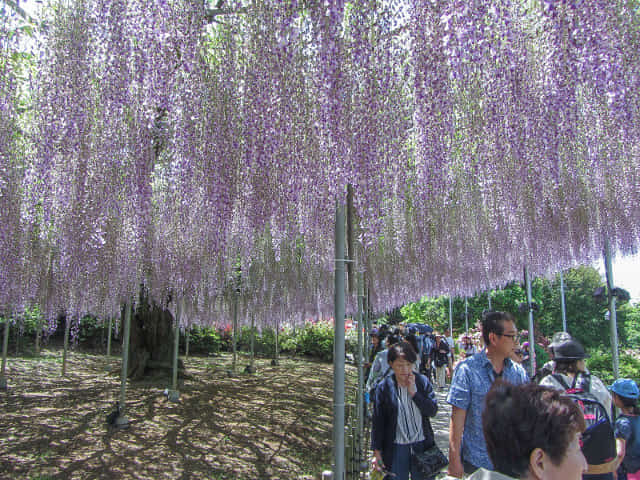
x=532, y=433
x=403, y=403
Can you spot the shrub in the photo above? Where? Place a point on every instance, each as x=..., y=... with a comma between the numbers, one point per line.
x=601, y=364
x=204, y=340
x=316, y=340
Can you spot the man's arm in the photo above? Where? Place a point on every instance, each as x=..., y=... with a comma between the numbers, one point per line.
x=456, y=428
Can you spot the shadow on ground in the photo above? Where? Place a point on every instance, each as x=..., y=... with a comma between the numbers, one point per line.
x=276, y=424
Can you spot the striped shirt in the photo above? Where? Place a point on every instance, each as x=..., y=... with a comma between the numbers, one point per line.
x=409, y=419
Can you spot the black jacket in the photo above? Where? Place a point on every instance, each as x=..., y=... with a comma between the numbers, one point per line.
x=385, y=414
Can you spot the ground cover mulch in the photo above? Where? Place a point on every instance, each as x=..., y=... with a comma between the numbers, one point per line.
x=274, y=424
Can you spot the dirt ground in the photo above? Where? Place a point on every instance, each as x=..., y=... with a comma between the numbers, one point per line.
x=275, y=424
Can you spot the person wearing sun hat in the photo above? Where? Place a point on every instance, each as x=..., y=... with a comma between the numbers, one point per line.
x=625, y=395
x=571, y=375
x=570, y=369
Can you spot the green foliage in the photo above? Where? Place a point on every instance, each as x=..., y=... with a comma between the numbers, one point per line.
x=628, y=317
x=264, y=342
x=315, y=340
x=585, y=318
x=542, y=356
x=600, y=364
x=204, y=340
x=432, y=312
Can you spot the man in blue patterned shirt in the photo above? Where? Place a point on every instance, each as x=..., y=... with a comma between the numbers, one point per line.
x=471, y=382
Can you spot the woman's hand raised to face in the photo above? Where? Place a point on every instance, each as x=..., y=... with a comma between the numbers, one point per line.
x=409, y=382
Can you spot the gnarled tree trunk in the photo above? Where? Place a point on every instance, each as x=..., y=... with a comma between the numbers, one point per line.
x=151, y=341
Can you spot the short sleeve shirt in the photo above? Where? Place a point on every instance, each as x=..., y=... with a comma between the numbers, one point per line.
x=471, y=381
x=628, y=428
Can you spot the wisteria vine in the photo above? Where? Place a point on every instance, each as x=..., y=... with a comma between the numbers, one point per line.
x=203, y=158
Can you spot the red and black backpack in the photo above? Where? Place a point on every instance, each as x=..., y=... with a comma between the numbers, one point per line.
x=598, y=440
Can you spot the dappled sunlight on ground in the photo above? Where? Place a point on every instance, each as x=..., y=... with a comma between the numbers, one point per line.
x=275, y=424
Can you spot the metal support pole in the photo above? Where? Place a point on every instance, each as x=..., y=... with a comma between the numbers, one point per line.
x=562, y=304
x=253, y=340
x=125, y=355
x=67, y=328
x=338, y=346
x=5, y=349
x=109, y=338
x=186, y=342
x=450, y=317
x=612, y=309
x=532, y=344
x=466, y=316
x=277, y=352
x=122, y=421
x=360, y=398
x=489, y=300
x=235, y=333
x=174, y=394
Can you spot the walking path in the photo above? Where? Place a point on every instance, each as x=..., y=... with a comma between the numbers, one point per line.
x=440, y=422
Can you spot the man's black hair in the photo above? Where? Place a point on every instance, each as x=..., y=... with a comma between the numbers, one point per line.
x=493, y=322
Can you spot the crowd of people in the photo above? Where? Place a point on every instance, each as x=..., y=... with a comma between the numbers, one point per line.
x=560, y=425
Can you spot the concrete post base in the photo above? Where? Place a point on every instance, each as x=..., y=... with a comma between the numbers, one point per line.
x=121, y=422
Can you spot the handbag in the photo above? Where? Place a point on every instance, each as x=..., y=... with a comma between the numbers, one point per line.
x=429, y=462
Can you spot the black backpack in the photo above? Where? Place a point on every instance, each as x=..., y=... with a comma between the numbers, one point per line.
x=598, y=440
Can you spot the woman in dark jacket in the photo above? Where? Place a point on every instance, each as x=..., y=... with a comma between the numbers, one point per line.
x=404, y=401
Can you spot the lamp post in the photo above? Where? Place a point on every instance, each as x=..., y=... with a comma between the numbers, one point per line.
x=612, y=296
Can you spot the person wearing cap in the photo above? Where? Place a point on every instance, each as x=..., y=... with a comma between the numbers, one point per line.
x=550, y=366
x=627, y=428
x=569, y=358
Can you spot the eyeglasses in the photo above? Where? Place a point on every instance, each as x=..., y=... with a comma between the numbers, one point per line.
x=512, y=336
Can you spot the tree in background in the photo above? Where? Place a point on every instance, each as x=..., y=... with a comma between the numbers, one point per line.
x=585, y=316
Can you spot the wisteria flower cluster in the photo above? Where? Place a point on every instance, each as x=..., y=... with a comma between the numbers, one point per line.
x=202, y=157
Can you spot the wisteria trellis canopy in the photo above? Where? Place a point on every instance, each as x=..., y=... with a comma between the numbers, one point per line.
x=176, y=146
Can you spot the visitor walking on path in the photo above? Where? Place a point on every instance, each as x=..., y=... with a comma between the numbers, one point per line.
x=627, y=429
x=380, y=368
x=471, y=381
x=403, y=403
x=571, y=376
x=441, y=357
